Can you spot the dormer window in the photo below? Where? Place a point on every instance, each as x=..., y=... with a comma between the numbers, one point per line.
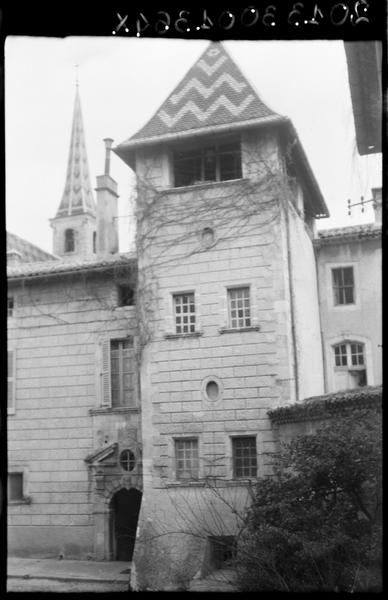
x=69, y=240
x=207, y=162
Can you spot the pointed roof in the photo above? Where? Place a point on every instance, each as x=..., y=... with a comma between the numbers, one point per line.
x=213, y=95
x=77, y=197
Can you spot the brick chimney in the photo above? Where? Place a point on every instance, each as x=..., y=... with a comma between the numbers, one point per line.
x=107, y=241
x=377, y=204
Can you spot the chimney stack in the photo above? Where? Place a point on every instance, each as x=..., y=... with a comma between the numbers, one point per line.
x=377, y=204
x=106, y=195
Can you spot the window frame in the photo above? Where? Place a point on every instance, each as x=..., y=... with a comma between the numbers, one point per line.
x=333, y=372
x=177, y=314
x=201, y=147
x=121, y=294
x=105, y=374
x=16, y=469
x=11, y=378
x=11, y=310
x=349, y=365
x=342, y=288
x=239, y=438
x=229, y=291
x=177, y=470
x=330, y=289
x=67, y=241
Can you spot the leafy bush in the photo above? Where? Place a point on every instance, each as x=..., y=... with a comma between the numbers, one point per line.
x=316, y=523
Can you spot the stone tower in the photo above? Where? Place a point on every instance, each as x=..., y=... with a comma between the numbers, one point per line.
x=74, y=225
x=228, y=306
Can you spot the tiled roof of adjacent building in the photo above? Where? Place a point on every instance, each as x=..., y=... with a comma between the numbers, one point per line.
x=27, y=252
x=352, y=232
x=46, y=269
x=328, y=405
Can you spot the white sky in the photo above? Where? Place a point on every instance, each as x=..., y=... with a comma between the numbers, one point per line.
x=122, y=83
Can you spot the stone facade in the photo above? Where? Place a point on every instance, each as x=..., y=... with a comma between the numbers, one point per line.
x=57, y=420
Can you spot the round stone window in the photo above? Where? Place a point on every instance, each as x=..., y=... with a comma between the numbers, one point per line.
x=212, y=390
x=127, y=460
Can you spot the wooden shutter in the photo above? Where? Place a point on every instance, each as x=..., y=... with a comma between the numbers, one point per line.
x=105, y=387
x=11, y=360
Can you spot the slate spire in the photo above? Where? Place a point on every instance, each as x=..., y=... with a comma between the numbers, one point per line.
x=77, y=197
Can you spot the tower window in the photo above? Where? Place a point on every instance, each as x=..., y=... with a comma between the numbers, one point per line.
x=244, y=457
x=239, y=306
x=69, y=240
x=208, y=162
x=94, y=242
x=184, y=313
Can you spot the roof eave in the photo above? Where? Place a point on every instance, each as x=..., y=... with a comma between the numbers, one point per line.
x=127, y=150
x=130, y=263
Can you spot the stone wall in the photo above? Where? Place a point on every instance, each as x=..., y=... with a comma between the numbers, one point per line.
x=55, y=332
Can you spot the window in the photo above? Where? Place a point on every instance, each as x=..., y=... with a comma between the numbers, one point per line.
x=186, y=459
x=94, y=242
x=239, y=307
x=121, y=373
x=15, y=486
x=125, y=295
x=10, y=306
x=69, y=240
x=11, y=381
x=184, y=313
x=117, y=372
x=222, y=550
x=244, y=457
x=211, y=162
x=349, y=363
x=127, y=460
x=343, y=285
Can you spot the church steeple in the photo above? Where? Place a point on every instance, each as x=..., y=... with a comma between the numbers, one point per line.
x=74, y=224
x=77, y=196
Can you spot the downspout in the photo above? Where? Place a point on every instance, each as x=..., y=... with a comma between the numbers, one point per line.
x=316, y=250
x=292, y=303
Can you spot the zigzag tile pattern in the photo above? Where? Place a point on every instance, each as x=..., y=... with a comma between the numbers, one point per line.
x=213, y=92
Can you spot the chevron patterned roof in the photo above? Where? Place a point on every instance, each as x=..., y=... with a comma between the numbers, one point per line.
x=77, y=197
x=213, y=93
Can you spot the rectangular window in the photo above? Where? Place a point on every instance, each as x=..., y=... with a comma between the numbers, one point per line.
x=343, y=285
x=15, y=486
x=122, y=373
x=10, y=306
x=340, y=355
x=11, y=381
x=211, y=162
x=186, y=459
x=125, y=295
x=357, y=354
x=244, y=457
x=239, y=307
x=184, y=313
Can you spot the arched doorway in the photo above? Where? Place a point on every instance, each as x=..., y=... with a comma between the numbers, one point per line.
x=124, y=510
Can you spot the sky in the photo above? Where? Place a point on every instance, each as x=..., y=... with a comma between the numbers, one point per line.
x=123, y=81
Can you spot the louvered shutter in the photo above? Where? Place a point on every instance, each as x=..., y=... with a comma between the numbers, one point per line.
x=105, y=386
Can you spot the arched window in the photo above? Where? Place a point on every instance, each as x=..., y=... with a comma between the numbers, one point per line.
x=69, y=240
x=349, y=365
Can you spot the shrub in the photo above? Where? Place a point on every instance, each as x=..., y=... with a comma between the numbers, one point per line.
x=316, y=523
